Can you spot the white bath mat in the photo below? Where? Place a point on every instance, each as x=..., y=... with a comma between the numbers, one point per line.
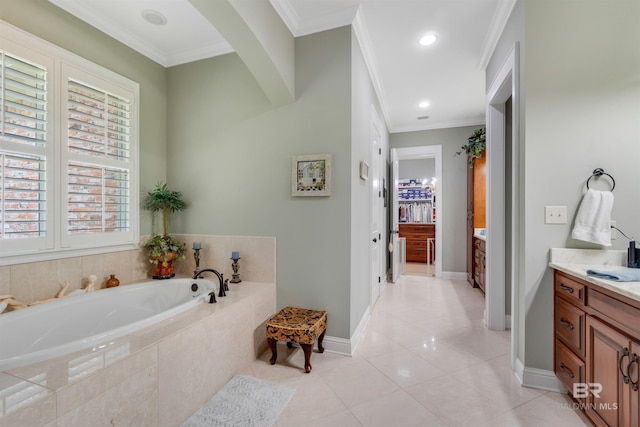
x=244, y=401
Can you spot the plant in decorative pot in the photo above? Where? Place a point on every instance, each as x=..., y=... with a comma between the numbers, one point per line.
x=475, y=147
x=164, y=250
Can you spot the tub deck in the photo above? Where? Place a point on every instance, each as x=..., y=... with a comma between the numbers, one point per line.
x=156, y=376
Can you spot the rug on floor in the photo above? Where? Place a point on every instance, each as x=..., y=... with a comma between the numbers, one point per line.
x=243, y=401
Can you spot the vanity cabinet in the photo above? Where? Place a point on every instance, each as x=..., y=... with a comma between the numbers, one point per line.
x=417, y=238
x=479, y=262
x=597, y=344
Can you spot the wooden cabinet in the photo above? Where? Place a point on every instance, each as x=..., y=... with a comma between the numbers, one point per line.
x=480, y=262
x=476, y=215
x=597, y=349
x=417, y=238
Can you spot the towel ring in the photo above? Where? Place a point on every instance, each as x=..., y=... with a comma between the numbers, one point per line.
x=598, y=172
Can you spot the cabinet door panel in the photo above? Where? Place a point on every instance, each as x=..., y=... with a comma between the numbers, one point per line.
x=607, y=355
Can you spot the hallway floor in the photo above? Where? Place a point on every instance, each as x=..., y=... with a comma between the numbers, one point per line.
x=425, y=360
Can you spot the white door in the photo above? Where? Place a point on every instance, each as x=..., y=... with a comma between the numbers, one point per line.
x=395, y=254
x=376, y=208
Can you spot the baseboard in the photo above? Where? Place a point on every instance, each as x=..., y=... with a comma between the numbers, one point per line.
x=454, y=275
x=348, y=346
x=538, y=378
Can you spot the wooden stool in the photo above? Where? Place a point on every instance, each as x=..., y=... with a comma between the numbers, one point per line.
x=301, y=325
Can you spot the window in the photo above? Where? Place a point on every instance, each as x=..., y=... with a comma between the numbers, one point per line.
x=68, y=153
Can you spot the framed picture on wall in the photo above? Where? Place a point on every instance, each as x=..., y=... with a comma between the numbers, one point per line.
x=311, y=175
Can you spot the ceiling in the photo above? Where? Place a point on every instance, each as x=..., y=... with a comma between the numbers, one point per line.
x=448, y=74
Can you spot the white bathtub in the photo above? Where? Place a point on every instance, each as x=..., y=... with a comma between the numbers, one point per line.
x=74, y=323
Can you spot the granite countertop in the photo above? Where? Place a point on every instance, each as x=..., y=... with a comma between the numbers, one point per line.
x=576, y=262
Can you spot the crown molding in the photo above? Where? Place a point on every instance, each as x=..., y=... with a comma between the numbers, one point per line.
x=496, y=27
x=476, y=121
x=334, y=19
x=119, y=33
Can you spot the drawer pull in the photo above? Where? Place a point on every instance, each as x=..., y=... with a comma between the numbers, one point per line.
x=566, y=323
x=625, y=353
x=566, y=370
x=634, y=359
x=566, y=288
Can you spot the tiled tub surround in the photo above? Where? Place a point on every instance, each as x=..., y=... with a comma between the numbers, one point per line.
x=577, y=261
x=157, y=376
x=41, y=280
x=71, y=324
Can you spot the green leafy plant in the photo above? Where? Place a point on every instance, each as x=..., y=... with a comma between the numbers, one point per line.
x=475, y=147
x=164, y=249
x=166, y=201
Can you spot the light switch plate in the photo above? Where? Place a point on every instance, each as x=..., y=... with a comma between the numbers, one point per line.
x=555, y=214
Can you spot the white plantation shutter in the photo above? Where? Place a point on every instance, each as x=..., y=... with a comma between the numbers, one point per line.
x=24, y=150
x=68, y=153
x=24, y=101
x=98, y=154
x=23, y=204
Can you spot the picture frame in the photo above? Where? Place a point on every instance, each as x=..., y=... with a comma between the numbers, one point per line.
x=364, y=170
x=311, y=175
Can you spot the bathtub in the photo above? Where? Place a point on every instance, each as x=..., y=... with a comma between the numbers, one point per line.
x=74, y=323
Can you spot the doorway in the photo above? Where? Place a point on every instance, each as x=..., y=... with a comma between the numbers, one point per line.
x=432, y=153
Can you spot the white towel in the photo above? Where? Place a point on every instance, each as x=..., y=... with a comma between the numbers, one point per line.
x=593, y=221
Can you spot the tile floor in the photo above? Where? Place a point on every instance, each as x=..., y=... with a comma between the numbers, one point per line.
x=425, y=360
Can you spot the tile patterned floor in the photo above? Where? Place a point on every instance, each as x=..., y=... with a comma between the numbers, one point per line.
x=425, y=360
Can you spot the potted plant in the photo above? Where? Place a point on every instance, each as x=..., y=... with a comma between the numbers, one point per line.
x=163, y=249
x=475, y=147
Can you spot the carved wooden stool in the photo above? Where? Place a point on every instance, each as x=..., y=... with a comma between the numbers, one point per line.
x=301, y=325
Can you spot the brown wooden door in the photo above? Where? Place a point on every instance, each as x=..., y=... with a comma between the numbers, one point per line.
x=608, y=355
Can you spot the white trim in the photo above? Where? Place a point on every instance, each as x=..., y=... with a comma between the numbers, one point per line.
x=368, y=53
x=477, y=121
x=338, y=18
x=496, y=27
x=348, y=346
x=541, y=379
x=505, y=85
x=427, y=151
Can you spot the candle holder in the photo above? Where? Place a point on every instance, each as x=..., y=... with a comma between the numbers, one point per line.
x=235, y=277
x=196, y=257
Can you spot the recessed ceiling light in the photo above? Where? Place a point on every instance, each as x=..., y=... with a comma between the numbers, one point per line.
x=423, y=104
x=427, y=39
x=154, y=17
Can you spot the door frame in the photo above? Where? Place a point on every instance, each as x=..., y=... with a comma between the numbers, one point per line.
x=505, y=85
x=376, y=208
x=423, y=152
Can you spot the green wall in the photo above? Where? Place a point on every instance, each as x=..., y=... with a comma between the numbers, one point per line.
x=230, y=153
x=51, y=23
x=580, y=104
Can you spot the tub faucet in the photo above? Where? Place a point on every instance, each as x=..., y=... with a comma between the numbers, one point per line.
x=221, y=292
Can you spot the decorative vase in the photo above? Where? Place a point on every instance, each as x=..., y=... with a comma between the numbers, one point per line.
x=164, y=268
x=112, y=282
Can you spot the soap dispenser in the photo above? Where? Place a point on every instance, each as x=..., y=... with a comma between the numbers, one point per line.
x=633, y=255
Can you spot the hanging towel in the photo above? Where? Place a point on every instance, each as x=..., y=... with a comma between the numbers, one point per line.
x=593, y=221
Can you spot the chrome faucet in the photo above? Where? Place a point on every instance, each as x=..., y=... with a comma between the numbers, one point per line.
x=221, y=292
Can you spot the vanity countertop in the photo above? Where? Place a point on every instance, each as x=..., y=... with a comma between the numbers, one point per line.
x=576, y=262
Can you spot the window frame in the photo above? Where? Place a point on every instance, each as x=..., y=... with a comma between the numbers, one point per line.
x=60, y=65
